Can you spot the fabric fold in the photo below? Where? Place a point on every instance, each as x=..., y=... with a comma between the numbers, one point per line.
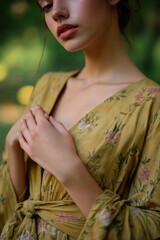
x=118, y=142
x=63, y=215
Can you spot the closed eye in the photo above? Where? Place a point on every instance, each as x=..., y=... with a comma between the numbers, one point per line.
x=47, y=8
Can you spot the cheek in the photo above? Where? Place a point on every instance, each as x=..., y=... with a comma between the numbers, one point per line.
x=50, y=24
x=86, y=7
x=90, y=11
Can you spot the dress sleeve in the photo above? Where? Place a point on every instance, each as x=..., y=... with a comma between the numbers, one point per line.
x=8, y=198
x=138, y=216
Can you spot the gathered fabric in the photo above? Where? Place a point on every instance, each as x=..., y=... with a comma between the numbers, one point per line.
x=118, y=142
x=63, y=215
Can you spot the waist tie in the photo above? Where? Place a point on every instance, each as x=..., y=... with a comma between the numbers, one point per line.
x=64, y=215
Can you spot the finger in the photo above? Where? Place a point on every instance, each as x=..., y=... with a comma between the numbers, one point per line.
x=46, y=116
x=34, y=108
x=23, y=142
x=25, y=131
x=30, y=121
x=38, y=113
x=37, y=107
x=58, y=126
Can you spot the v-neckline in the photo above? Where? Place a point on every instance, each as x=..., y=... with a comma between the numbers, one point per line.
x=63, y=85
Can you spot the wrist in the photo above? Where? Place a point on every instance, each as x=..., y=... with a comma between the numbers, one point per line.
x=71, y=171
x=82, y=187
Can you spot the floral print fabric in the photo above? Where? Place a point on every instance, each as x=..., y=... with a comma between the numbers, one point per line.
x=118, y=141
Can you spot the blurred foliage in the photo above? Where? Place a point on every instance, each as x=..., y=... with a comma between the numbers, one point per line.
x=3, y=131
x=24, y=37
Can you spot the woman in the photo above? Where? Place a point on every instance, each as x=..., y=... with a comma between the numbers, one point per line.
x=91, y=138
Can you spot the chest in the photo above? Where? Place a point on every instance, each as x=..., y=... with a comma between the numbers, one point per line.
x=73, y=103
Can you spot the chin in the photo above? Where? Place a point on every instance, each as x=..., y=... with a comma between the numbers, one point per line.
x=74, y=45
x=71, y=49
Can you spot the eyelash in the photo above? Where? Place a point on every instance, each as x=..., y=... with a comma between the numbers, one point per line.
x=46, y=8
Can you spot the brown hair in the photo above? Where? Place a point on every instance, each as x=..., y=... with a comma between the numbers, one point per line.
x=126, y=8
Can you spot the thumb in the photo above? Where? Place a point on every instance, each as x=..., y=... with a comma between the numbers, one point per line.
x=58, y=125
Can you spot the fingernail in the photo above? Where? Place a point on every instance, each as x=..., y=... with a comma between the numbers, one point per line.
x=35, y=107
x=46, y=115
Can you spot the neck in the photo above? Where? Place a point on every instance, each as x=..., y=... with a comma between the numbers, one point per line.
x=102, y=61
x=106, y=59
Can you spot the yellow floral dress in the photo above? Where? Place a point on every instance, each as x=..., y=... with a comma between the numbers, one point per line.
x=119, y=143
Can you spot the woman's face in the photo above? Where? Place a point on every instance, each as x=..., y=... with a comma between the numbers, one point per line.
x=76, y=23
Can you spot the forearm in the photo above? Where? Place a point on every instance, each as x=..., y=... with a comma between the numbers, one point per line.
x=17, y=169
x=82, y=187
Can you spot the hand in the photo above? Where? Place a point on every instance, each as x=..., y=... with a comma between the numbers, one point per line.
x=48, y=143
x=12, y=140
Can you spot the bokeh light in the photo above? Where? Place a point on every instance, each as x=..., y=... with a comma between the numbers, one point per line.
x=3, y=72
x=24, y=94
x=10, y=112
x=19, y=7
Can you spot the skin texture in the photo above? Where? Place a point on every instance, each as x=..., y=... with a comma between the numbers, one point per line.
x=16, y=159
x=86, y=10
x=104, y=73
x=39, y=133
x=38, y=129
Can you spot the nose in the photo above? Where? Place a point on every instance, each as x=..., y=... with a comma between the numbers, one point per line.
x=59, y=11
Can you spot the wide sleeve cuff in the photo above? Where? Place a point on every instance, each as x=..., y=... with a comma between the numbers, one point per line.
x=8, y=198
x=113, y=218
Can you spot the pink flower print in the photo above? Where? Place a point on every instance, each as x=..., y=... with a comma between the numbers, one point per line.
x=154, y=90
x=54, y=231
x=105, y=217
x=1, y=236
x=83, y=125
x=25, y=235
x=36, y=100
x=67, y=218
x=145, y=174
x=134, y=211
x=43, y=226
x=113, y=136
x=54, y=90
x=139, y=96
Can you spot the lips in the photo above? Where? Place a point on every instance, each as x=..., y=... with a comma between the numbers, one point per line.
x=66, y=31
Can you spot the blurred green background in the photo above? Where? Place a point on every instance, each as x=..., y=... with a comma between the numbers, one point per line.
x=23, y=36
